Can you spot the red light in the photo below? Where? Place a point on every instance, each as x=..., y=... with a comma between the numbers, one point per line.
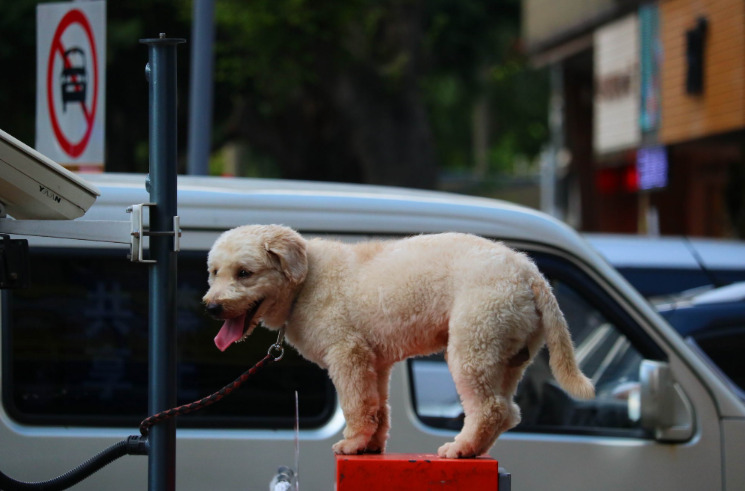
x=630, y=179
x=612, y=180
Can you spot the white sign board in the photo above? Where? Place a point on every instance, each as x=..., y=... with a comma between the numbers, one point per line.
x=616, y=60
x=70, y=83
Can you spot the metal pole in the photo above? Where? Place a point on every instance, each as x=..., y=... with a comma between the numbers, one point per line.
x=550, y=159
x=200, y=87
x=161, y=75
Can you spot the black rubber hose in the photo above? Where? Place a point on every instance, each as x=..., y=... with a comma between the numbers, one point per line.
x=133, y=445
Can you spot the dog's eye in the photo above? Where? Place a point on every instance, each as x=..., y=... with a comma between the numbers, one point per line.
x=244, y=273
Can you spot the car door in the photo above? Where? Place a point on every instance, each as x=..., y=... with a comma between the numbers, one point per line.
x=612, y=442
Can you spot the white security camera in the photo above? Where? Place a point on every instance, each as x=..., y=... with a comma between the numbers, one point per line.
x=34, y=187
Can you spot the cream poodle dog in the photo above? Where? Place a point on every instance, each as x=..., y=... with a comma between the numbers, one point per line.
x=356, y=309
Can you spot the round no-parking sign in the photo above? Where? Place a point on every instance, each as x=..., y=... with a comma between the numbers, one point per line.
x=70, y=112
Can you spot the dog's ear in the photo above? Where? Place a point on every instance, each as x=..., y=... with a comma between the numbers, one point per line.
x=286, y=249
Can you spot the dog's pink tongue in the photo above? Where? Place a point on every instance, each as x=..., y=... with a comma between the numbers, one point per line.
x=230, y=332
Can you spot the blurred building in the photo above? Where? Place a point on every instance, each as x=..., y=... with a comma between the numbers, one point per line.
x=647, y=112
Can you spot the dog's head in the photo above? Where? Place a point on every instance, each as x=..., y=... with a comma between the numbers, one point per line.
x=254, y=272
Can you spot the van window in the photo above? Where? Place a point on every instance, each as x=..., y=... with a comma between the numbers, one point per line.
x=75, y=350
x=609, y=350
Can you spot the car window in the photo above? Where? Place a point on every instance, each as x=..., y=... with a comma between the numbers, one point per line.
x=75, y=350
x=609, y=350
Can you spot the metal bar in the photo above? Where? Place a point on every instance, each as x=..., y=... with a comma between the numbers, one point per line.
x=201, y=87
x=550, y=160
x=93, y=230
x=161, y=74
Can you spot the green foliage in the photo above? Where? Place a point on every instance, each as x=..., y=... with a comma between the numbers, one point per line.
x=476, y=56
x=270, y=47
x=316, y=83
x=519, y=98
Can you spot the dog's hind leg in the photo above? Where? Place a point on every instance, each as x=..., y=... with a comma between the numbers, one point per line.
x=356, y=381
x=481, y=350
x=488, y=413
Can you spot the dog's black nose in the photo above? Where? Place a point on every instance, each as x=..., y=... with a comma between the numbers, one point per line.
x=214, y=309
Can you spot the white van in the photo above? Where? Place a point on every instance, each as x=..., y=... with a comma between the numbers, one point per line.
x=74, y=359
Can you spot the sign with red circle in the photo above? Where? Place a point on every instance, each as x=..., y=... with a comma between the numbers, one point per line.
x=70, y=102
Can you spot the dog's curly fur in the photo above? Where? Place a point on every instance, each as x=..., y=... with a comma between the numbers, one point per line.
x=356, y=309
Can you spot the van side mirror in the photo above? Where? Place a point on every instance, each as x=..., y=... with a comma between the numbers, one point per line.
x=665, y=409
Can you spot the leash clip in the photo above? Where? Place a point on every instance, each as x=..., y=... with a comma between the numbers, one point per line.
x=277, y=350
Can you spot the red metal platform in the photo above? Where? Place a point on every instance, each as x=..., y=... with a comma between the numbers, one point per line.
x=415, y=472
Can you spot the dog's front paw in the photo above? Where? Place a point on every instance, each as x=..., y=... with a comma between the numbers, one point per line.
x=374, y=448
x=350, y=446
x=457, y=450
x=377, y=443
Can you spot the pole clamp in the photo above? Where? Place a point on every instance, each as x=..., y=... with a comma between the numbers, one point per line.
x=139, y=231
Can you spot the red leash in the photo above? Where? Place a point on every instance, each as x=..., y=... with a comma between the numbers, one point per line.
x=275, y=353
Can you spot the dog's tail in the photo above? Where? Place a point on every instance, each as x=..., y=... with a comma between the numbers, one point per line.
x=561, y=351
